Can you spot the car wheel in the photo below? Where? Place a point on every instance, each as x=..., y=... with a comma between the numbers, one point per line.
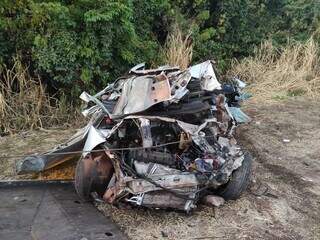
x=93, y=174
x=239, y=180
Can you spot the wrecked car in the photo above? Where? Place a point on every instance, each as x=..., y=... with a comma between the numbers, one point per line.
x=158, y=138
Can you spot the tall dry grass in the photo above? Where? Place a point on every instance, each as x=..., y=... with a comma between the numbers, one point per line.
x=24, y=103
x=274, y=73
x=178, y=49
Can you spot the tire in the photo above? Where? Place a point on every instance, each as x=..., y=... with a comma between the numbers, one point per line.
x=92, y=174
x=82, y=182
x=239, y=180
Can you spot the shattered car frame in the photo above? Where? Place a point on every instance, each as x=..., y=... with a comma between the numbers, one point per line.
x=160, y=138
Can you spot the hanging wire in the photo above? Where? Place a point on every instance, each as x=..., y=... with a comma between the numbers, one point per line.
x=97, y=150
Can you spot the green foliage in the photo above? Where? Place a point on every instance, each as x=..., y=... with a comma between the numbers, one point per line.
x=224, y=30
x=82, y=45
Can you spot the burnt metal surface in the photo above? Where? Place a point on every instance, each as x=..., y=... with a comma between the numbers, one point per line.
x=51, y=211
x=92, y=171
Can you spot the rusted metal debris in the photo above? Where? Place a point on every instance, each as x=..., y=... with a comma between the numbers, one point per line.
x=212, y=200
x=160, y=138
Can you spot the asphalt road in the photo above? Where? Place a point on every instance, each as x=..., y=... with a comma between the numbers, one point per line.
x=50, y=211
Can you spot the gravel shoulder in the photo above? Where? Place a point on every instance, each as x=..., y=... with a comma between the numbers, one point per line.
x=282, y=202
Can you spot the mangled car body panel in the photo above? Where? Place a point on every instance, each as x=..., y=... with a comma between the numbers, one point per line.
x=157, y=138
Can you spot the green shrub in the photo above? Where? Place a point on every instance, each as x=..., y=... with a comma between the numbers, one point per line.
x=82, y=45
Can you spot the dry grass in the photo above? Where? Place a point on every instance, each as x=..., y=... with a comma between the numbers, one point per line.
x=274, y=73
x=24, y=104
x=178, y=49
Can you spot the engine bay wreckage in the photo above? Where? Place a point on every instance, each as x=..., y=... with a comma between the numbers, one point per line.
x=159, y=138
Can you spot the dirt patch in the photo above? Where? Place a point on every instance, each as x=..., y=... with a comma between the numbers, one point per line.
x=27, y=143
x=282, y=201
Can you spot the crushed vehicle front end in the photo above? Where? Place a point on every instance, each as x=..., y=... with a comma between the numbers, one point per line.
x=159, y=138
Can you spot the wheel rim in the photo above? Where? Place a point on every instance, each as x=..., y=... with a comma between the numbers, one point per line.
x=93, y=174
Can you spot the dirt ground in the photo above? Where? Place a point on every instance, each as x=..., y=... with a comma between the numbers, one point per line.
x=282, y=202
x=27, y=143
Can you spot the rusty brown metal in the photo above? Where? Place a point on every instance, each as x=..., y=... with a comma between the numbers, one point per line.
x=117, y=191
x=213, y=200
x=160, y=89
x=110, y=195
x=140, y=93
x=220, y=107
x=185, y=141
x=93, y=174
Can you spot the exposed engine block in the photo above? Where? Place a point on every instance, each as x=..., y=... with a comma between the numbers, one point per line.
x=153, y=156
